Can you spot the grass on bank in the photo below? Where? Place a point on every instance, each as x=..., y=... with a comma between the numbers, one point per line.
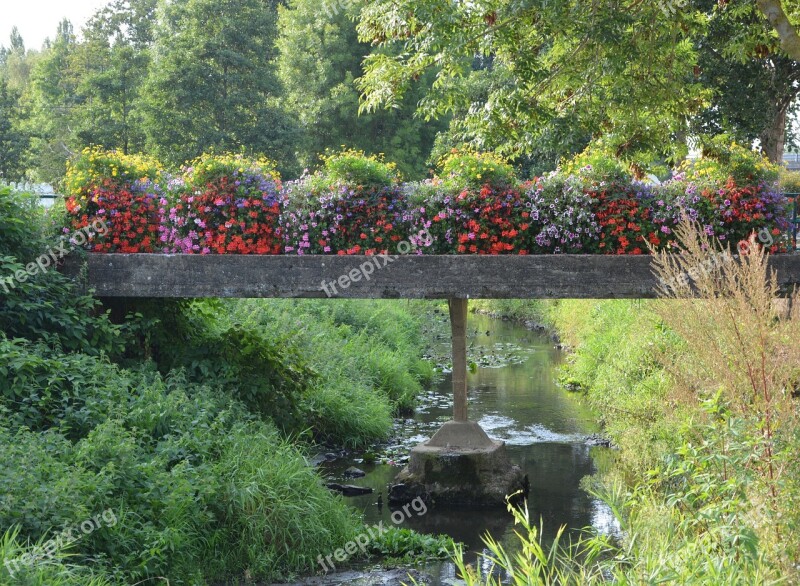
x=185, y=420
x=700, y=395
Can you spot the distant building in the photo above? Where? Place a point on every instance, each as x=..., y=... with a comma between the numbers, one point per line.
x=47, y=194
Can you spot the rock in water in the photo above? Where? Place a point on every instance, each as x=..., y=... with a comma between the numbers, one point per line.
x=354, y=472
x=349, y=489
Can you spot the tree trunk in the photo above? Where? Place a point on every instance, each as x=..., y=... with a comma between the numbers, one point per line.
x=790, y=39
x=773, y=137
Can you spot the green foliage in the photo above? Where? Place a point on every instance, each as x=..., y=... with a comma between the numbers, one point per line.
x=47, y=571
x=21, y=232
x=95, y=165
x=610, y=71
x=790, y=181
x=356, y=169
x=595, y=165
x=113, y=61
x=211, y=84
x=266, y=373
x=14, y=142
x=522, y=310
x=723, y=158
x=43, y=304
x=462, y=169
x=616, y=364
x=200, y=490
x=53, y=106
x=581, y=563
x=319, y=59
x=367, y=355
x=208, y=168
x=404, y=545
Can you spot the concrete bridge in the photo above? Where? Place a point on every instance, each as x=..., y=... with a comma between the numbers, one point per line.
x=460, y=463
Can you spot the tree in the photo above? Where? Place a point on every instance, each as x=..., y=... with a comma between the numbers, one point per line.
x=114, y=60
x=54, y=102
x=211, y=85
x=17, y=62
x=319, y=59
x=14, y=143
x=623, y=72
x=620, y=72
x=754, y=83
x=784, y=25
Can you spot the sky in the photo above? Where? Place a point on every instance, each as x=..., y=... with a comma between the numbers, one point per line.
x=38, y=19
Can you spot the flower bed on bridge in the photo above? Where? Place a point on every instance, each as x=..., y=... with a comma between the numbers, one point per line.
x=356, y=204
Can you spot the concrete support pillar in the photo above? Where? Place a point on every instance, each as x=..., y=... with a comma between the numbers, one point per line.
x=458, y=328
x=460, y=464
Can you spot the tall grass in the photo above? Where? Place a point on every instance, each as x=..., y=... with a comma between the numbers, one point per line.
x=202, y=490
x=367, y=355
x=698, y=391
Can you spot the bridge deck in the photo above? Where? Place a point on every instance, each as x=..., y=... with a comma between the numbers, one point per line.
x=412, y=277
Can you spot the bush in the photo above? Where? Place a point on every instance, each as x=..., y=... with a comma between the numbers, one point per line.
x=119, y=192
x=723, y=159
x=355, y=170
x=199, y=489
x=596, y=167
x=789, y=181
x=472, y=170
x=45, y=306
x=21, y=229
x=225, y=204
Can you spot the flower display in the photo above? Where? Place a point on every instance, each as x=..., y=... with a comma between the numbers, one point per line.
x=356, y=205
x=120, y=190
x=343, y=219
x=224, y=204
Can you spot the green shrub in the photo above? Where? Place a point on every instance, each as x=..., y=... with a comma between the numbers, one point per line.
x=466, y=169
x=404, y=545
x=266, y=373
x=722, y=159
x=200, y=490
x=596, y=165
x=355, y=169
x=790, y=181
x=21, y=232
x=44, y=305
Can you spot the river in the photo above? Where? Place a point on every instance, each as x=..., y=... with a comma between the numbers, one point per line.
x=514, y=396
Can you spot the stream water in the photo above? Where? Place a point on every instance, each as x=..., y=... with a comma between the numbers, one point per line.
x=514, y=397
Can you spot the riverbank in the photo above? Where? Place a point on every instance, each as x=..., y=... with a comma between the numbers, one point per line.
x=174, y=434
x=692, y=482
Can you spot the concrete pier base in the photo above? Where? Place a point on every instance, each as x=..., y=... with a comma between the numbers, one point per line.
x=460, y=465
